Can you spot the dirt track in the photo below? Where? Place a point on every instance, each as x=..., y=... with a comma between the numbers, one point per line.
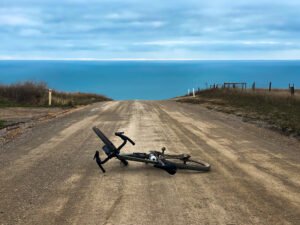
x=47, y=176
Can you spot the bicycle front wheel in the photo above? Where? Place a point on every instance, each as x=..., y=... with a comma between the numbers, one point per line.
x=190, y=164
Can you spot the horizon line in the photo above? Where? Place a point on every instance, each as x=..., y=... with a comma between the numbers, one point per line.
x=141, y=59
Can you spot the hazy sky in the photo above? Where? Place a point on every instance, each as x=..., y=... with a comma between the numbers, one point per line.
x=154, y=29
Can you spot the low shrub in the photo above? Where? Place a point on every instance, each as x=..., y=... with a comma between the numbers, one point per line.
x=36, y=94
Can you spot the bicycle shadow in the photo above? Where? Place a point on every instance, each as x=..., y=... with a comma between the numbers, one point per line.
x=139, y=168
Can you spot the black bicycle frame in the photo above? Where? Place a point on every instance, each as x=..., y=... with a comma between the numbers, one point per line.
x=115, y=152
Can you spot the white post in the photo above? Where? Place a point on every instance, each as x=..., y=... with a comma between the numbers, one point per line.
x=193, y=92
x=188, y=91
x=50, y=97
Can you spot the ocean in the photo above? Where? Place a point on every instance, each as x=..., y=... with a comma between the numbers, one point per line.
x=148, y=80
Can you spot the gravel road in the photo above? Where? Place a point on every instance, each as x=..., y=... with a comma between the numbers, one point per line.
x=47, y=175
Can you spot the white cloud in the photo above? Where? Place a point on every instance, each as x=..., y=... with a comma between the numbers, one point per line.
x=16, y=20
x=182, y=29
x=145, y=24
x=214, y=42
x=157, y=24
x=6, y=57
x=125, y=15
x=169, y=42
x=263, y=42
x=16, y=16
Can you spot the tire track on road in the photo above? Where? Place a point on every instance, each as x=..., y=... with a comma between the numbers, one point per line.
x=216, y=149
x=44, y=173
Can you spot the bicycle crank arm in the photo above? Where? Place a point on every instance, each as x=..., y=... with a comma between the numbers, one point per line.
x=168, y=167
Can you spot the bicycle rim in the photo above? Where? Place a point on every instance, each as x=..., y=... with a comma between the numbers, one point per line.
x=190, y=164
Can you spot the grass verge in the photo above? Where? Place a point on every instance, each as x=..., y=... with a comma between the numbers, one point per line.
x=281, y=112
x=33, y=94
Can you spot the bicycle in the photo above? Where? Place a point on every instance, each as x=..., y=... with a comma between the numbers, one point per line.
x=169, y=163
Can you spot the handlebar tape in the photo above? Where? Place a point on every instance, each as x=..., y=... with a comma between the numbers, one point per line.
x=131, y=141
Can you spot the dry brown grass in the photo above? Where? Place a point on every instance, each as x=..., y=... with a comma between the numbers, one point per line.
x=275, y=92
x=77, y=98
x=36, y=94
x=277, y=108
x=27, y=93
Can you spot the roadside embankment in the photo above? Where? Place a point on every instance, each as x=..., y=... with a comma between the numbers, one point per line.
x=24, y=104
x=277, y=109
x=33, y=94
x=16, y=120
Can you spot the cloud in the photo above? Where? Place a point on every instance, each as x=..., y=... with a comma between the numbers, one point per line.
x=123, y=15
x=16, y=16
x=16, y=20
x=134, y=28
x=216, y=45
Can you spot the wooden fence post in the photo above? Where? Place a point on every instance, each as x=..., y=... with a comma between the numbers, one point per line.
x=50, y=97
x=292, y=89
x=253, y=86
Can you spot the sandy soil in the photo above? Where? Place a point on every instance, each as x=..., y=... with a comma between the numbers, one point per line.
x=18, y=119
x=47, y=175
x=27, y=114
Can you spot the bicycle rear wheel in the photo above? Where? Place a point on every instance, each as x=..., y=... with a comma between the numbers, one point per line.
x=190, y=164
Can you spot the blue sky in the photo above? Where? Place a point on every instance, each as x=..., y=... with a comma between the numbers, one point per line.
x=156, y=29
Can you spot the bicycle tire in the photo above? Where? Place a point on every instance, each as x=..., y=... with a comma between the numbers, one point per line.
x=190, y=164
